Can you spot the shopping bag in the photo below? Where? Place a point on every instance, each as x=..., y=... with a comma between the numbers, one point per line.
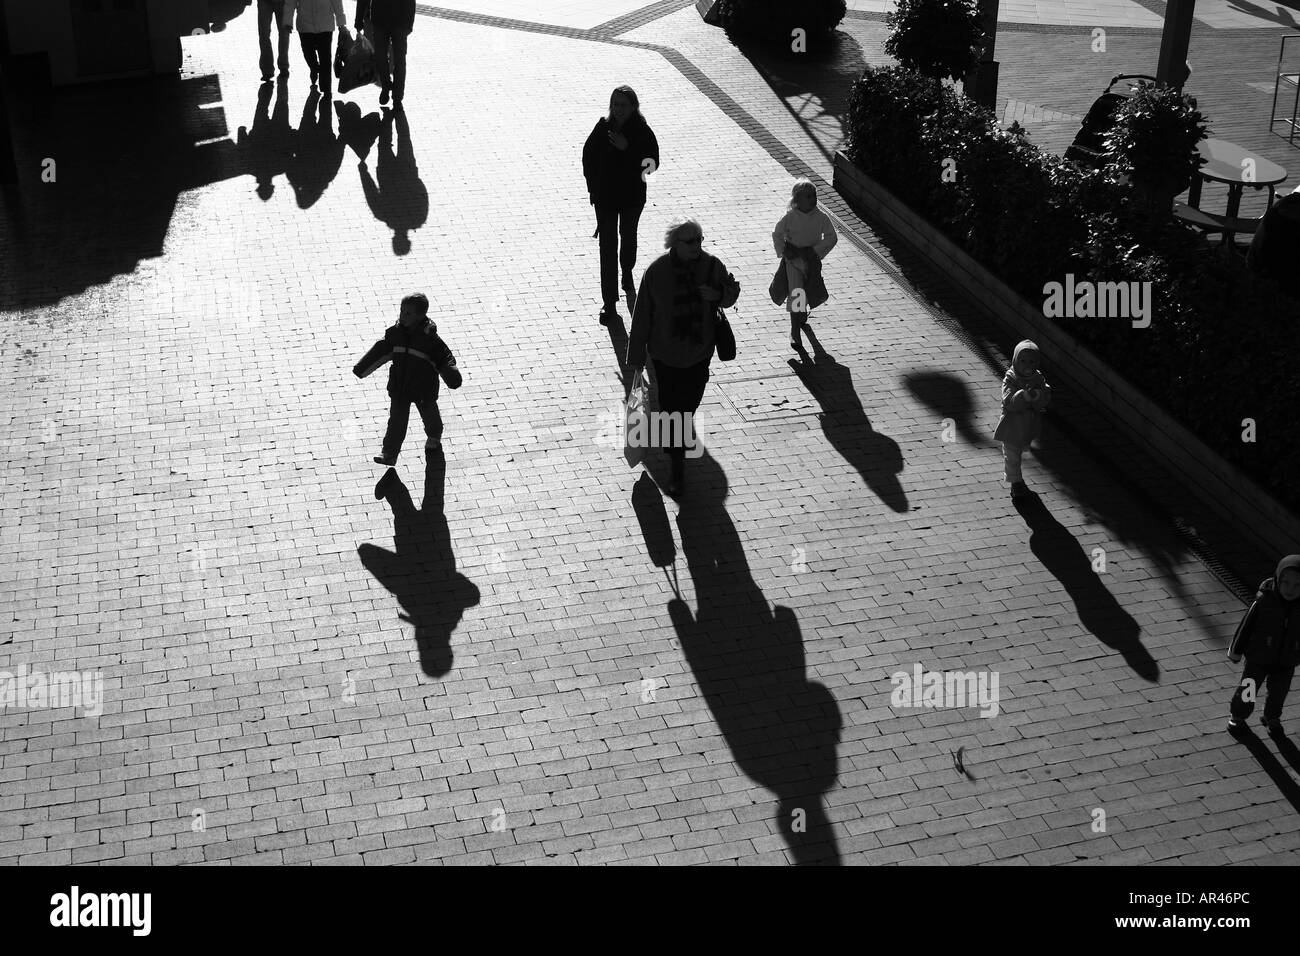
x=362, y=66
x=636, y=420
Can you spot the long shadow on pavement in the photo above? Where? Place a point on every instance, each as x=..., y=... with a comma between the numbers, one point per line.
x=422, y=573
x=876, y=457
x=317, y=152
x=1272, y=766
x=748, y=660
x=1097, y=609
x=266, y=146
x=396, y=195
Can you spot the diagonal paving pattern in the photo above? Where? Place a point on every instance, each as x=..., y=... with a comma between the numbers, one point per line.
x=530, y=656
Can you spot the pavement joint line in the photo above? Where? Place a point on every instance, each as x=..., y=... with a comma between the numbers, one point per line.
x=639, y=18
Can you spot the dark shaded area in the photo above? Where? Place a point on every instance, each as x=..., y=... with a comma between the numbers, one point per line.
x=748, y=660
x=317, y=152
x=1097, y=609
x=123, y=153
x=1287, y=748
x=948, y=396
x=877, y=457
x=1271, y=765
x=356, y=131
x=396, y=195
x=1272, y=16
x=422, y=573
x=825, y=74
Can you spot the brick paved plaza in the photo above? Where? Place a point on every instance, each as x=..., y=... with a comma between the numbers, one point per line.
x=529, y=654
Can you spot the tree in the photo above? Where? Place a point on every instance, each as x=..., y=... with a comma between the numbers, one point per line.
x=942, y=39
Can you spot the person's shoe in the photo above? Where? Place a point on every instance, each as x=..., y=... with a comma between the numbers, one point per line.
x=677, y=479
x=1274, y=726
x=608, y=315
x=389, y=460
x=267, y=77
x=1236, y=726
x=314, y=76
x=381, y=488
x=1019, y=490
x=397, y=104
x=629, y=284
x=383, y=97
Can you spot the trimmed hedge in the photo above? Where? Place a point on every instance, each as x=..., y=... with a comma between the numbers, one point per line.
x=1222, y=345
x=774, y=21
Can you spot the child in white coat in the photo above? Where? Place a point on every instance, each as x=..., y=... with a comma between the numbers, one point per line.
x=802, y=239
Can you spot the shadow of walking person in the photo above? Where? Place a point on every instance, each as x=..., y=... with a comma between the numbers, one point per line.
x=266, y=148
x=421, y=572
x=396, y=196
x=1097, y=609
x=876, y=457
x=317, y=152
x=749, y=662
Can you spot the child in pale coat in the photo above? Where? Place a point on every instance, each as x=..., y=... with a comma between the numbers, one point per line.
x=1025, y=395
x=802, y=239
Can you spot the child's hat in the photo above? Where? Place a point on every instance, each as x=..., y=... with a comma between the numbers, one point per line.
x=1025, y=346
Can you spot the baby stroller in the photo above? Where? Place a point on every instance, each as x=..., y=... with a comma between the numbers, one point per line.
x=1088, y=148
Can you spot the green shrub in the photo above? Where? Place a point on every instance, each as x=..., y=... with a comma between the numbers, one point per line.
x=774, y=21
x=1221, y=344
x=938, y=38
x=1153, y=142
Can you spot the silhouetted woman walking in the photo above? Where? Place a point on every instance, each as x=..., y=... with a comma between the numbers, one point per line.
x=619, y=156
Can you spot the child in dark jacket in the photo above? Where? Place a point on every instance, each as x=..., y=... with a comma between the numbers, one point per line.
x=1025, y=394
x=419, y=357
x=1269, y=638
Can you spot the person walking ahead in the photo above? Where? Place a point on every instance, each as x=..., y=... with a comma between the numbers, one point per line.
x=393, y=21
x=316, y=22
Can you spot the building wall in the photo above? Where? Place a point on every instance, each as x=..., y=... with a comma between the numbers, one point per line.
x=46, y=26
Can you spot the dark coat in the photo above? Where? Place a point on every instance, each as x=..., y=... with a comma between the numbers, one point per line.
x=418, y=356
x=1269, y=634
x=395, y=16
x=614, y=176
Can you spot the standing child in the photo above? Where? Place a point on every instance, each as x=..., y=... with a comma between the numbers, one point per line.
x=802, y=239
x=1269, y=638
x=419, y=357
x=1025, y=394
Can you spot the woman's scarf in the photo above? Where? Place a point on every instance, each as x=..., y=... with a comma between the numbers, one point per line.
x=688, y=304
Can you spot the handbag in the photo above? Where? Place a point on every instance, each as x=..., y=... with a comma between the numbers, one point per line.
x=636, y=421
x=361, y=67
x=724, y=337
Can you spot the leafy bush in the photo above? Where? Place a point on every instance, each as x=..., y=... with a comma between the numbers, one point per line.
x=1153, y=141
x=1221, y=344
x=774, y=21
x=937, y=38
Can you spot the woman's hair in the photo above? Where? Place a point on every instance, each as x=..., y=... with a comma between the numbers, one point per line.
x=677, y=226
x=800, y=187
x=630, y=93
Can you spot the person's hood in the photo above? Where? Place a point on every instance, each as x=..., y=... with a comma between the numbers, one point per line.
x=1025, y=346
x=1290, y=563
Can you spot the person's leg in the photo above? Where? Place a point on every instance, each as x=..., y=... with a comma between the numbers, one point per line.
x=1252, y=675
x=308, y=54
x=1011, y=461
x=399, y=415
x=628, y=220
x=1279, y=685
x=399, y=67
x=283, y=45
x=432, y=418
x=266, y=25
x=383, y=43
x=324, y=60
x=607, y=220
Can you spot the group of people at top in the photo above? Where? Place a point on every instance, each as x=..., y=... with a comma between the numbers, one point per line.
x=386, y=23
